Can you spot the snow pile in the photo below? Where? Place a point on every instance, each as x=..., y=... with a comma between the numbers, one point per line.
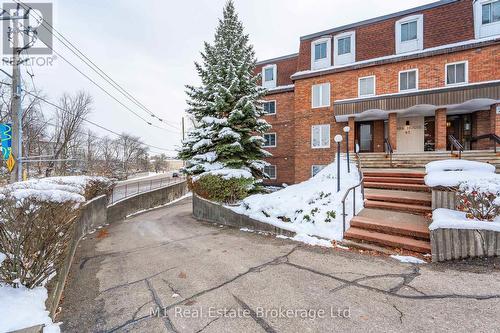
x=451, y=173
x=22, y=308
x=452, y=219
x=313, y=207
x=408, y=259
x=310, y=240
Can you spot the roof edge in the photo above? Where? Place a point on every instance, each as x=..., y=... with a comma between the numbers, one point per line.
x=378, y=19
x=288, y=56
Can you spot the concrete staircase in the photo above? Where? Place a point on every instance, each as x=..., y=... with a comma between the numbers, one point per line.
x=419, y=160
x=397, y=211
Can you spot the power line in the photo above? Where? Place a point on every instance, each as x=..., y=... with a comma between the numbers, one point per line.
x=105, y=76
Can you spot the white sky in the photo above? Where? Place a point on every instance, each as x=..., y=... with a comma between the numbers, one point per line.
x=149, y=47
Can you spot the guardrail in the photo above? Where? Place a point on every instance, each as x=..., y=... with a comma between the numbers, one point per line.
x=492, y=137
x=353, y=189
x=131, y=189
x=389, y=149
x=455, y=144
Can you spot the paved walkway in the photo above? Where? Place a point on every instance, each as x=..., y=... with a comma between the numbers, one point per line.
x=210, y=279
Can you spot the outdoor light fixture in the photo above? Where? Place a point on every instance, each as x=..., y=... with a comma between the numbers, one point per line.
x=346, y=130
x=338, y=139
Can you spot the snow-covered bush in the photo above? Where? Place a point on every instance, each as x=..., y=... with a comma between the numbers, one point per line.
x=220, y=189
x=479, y=198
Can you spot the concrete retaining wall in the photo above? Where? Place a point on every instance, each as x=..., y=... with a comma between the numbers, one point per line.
x=452, y=244
x=444, y=198
x=213, y=212
x=144, y=201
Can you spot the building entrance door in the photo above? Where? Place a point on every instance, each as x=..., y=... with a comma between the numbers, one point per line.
x=364, y=136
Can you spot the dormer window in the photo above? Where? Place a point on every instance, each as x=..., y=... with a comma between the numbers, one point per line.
x=269, y=76
x=410, y=34
x=487, y=18
x=321, y=55
x=345, y=45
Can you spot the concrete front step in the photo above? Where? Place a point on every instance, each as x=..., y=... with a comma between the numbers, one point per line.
x=408, y=228
x=403, y=242
x=415, y=198
x=397, y=186
x=399, y=207
x=389, y=178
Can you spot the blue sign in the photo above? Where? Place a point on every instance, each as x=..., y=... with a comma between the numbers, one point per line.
x=6, y=136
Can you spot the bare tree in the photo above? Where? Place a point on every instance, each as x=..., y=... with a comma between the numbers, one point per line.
x=69, y=120
x=159, y=162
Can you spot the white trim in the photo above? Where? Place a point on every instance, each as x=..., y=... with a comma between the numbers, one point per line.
x=466, y=62
x=484, y=30
x=275, y=140
x=321, y=95
x=411, y=45
x=374, y=86
x=275, y=171
x=347, y=58
x=416, y=80
x=275, y=107
x=320, y=136
x=317, y=165
x=269, y=84
x=324, y=62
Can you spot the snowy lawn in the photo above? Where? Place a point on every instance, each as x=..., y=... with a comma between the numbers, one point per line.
x=452, y=219
x=451, y=173
x=313, y=207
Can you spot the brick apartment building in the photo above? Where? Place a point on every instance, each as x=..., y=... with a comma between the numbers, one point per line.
x=409, y=79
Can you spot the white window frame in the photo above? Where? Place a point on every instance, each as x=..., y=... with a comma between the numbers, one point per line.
x=411, y=45
x=484, y=30
x=325, y=62
x=317, y=165
x=275, y=171
x=275, y=140
x=269, y=84
x=320, y=136
x=466, y=62
x=346, y=58
x=416, y=79
x=374, y=86
x=321, y=96
x=275, y=107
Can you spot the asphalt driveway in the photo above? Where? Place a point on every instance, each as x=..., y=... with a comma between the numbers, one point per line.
x=163, y=271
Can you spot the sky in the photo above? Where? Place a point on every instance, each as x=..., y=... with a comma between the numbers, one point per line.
x=149, y=48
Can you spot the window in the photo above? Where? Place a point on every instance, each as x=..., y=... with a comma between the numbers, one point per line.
x=367, y=86
x=269, y=76
x=320, y=136
x=408, y=80
x=270, y=170
x=491, y=12
x=345, y=48
x=486, y=18
x=270, y=107
x=321, y=55
x=315, y=169
x=270, y=140
x=321, y=95
x=456, y=73
x=410, y=34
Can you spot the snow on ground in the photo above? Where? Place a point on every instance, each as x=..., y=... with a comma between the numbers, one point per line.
x=22, y=308
x=313, y=207
x=311, y=240
x=452, y=172
x=452, y=219
x=409, y=259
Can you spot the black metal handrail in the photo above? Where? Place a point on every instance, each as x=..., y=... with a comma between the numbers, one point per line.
x=353, y=189
x=457, y=145
x=389, y=149
x=493, y=137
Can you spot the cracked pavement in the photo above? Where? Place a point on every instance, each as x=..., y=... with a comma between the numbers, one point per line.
x=199, y=277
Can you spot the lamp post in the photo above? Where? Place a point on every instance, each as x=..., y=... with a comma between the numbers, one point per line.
x=338, y=139
x=346, y=130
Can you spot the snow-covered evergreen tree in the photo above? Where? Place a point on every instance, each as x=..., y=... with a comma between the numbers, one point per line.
x=226, y=108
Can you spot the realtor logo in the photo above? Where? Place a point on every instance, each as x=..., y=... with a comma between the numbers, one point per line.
x=35, y=25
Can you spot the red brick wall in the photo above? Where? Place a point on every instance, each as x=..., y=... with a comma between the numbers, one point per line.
x=285, y=69
x=446, y=24
x=485, y=122
x=283, y=126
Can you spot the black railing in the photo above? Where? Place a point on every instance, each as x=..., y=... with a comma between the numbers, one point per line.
x=388, y=149
x=353, y=189
x=493, y=137
x=455, y=144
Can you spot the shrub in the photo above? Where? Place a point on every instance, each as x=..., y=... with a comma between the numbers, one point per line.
x=480, y=198
x=216, y=188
